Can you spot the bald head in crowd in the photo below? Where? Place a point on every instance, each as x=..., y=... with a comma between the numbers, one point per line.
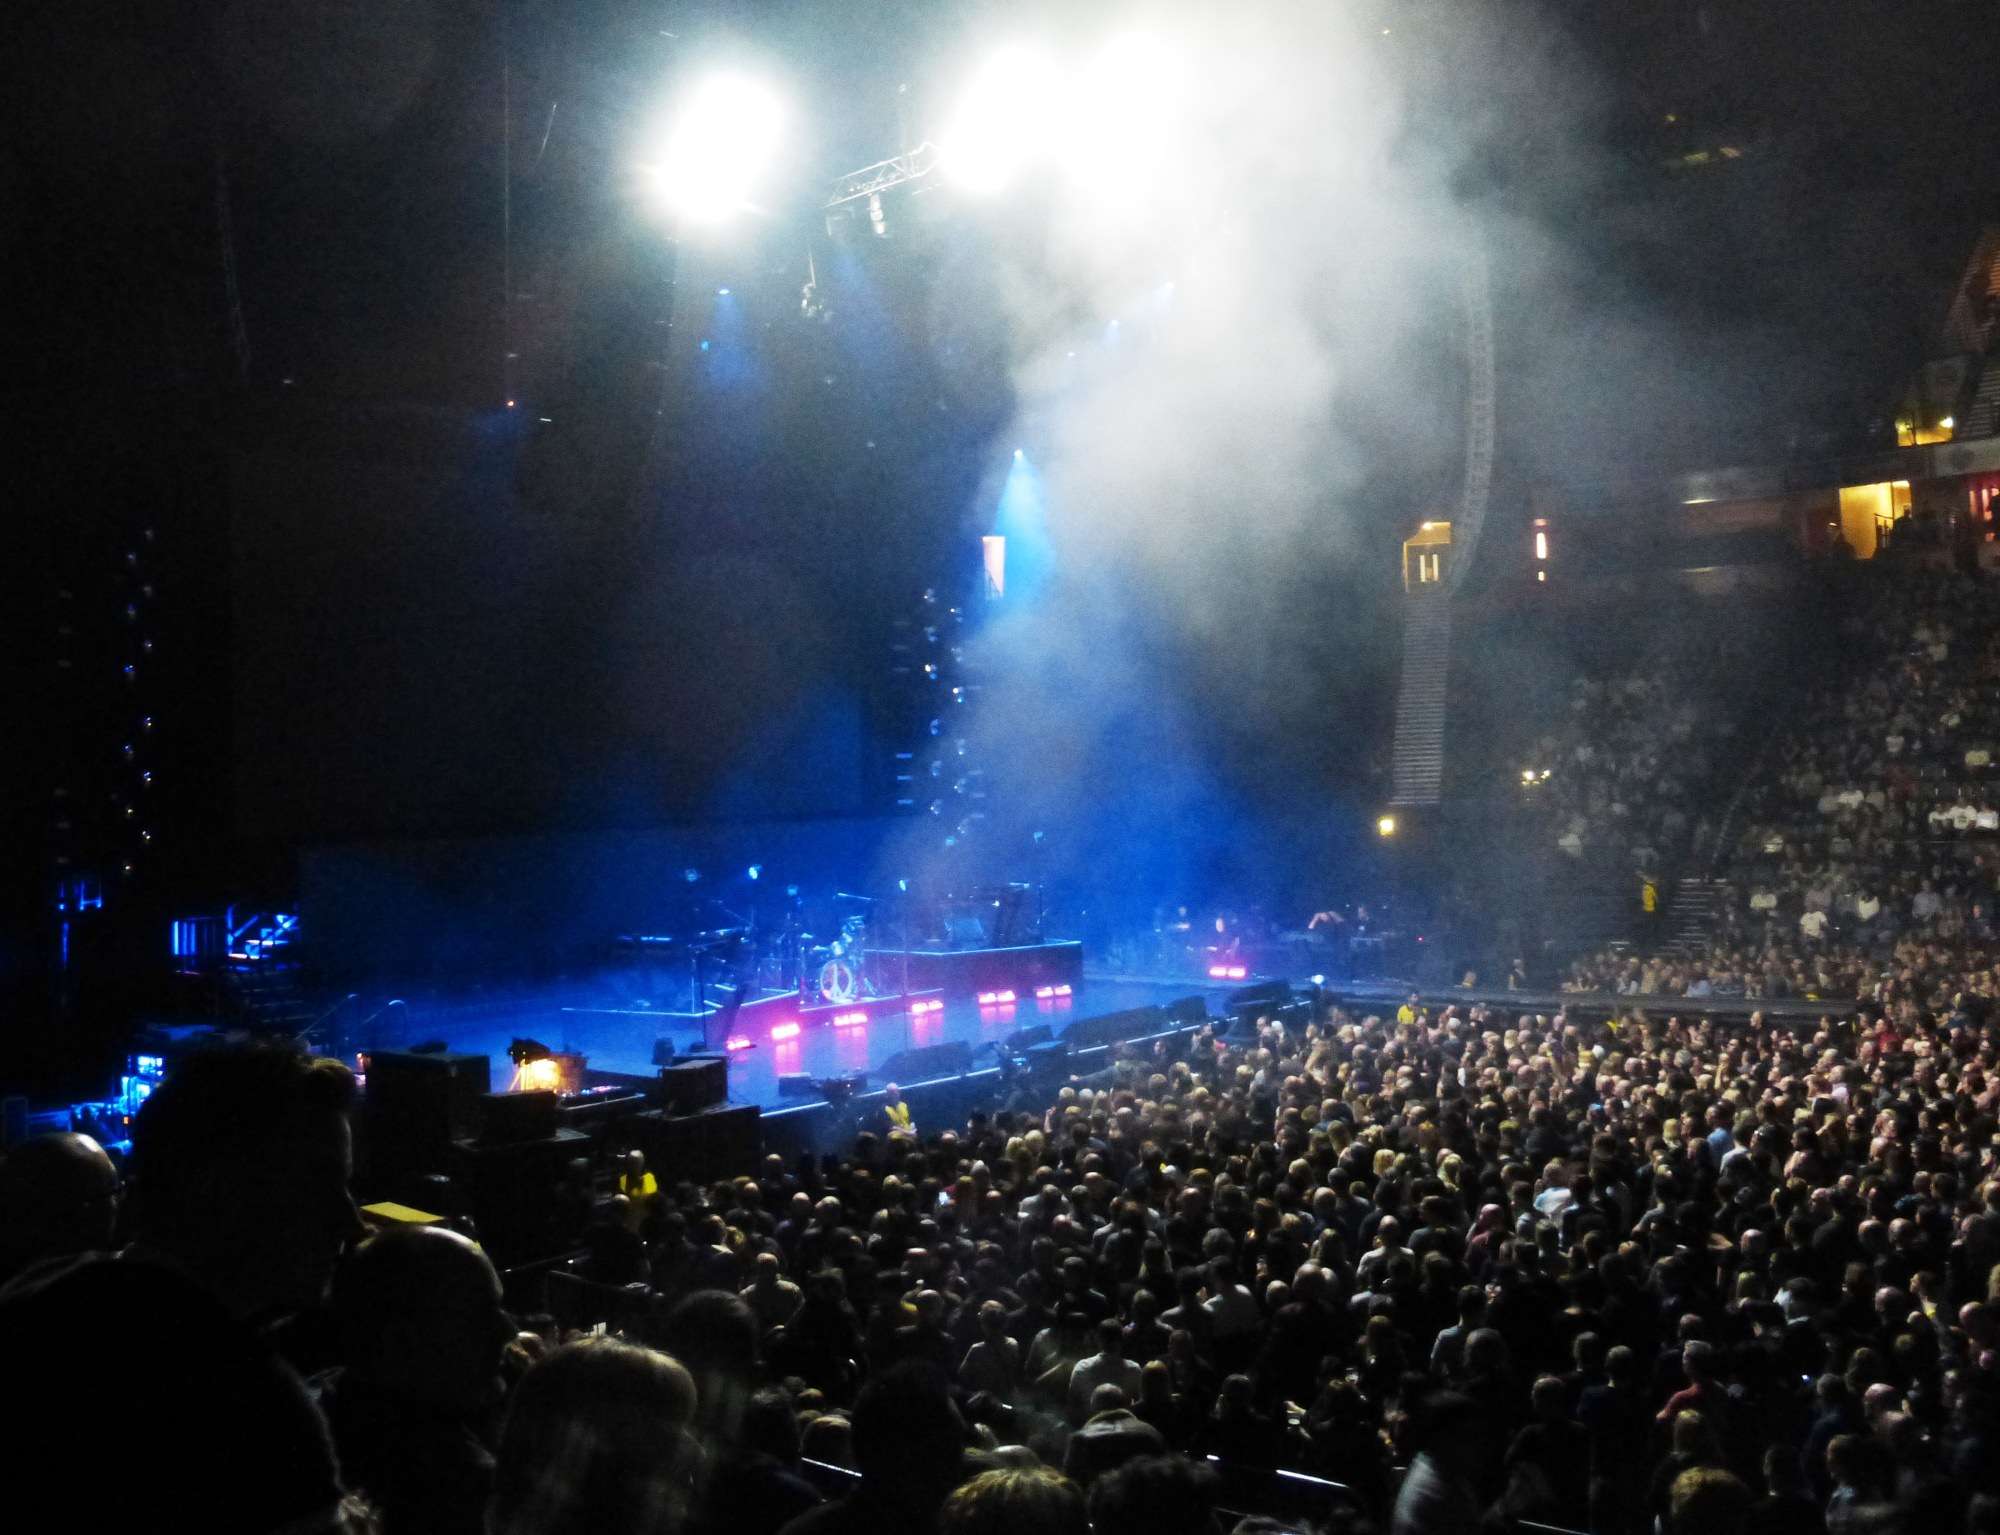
x=58, y=1198
x=421, y=1315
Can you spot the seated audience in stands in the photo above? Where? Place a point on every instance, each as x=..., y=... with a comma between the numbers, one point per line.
x=1859, y=860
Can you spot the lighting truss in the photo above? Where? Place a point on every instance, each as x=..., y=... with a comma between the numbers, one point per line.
x=871, y=180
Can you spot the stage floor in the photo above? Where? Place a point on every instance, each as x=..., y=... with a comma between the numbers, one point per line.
x=623, y=1040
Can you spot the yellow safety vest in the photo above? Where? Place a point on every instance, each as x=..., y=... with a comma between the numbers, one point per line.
x=899, y=1117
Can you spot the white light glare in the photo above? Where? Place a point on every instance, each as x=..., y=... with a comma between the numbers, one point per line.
x=1005, y=119
x=1122, y=118
x=721, y=144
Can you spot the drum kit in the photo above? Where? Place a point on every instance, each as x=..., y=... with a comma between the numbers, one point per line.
x=717, y=956
x=837, y=948
x=840, y=971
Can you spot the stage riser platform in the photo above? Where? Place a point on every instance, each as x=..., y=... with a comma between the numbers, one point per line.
x=623, y=1040
x=961, y=973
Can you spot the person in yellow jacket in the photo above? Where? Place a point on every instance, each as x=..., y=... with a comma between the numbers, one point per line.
x=897, y=1113
x=634, y=1182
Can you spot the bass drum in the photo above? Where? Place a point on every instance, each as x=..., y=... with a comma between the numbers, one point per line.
x=837, y=981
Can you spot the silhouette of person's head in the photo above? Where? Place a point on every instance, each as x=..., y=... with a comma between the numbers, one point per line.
x=58, y=1197
x=908, y=1437
x=596, y=1439
x=771, y=1426
x=1021, y=1501
x=421, y=1316
x=240, y=1162
x=714, y=1334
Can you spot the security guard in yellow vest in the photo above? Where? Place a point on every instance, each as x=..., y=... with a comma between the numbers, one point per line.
x=634, y=1182
x=897, y=1113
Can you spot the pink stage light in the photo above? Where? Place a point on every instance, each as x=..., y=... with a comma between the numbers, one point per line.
x=850, y=1020
x=931, y=1005
x=1063, y=990
x=1218, y=972
x=787, y=1030
x=1045, y=992
x=737, y=1042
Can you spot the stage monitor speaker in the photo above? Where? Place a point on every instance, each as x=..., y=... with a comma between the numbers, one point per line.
x=1190, y=1010
x=694, y=1084
x=509, y=1118
x=1265, y=995
x=1022, y=1040
x=416, y=1106
x=1113, y=1028
x=511, y=1192
x=1049, y=1055
x=698, y=1147
x=925, y=1062
x=798, y=1084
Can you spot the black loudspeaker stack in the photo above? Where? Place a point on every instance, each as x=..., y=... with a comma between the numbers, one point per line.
x=694, y=1084
x=925, y=1062
x=415, y=1106
x=1113, y=1028
x=700, y=1147
x=1262, y=997
x=510, y=1118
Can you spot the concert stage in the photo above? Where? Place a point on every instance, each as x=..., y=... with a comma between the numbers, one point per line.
x=889, y=1043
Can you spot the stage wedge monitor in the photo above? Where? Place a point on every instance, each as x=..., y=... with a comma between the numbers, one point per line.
x=693, y=1085
x=1113, y=1028
x=415, y=1106
x=926, y=1062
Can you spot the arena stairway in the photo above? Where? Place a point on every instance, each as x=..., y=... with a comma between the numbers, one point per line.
x=261, y=987
x=1691, y=914
x=1417, y=769
x=1982, y=416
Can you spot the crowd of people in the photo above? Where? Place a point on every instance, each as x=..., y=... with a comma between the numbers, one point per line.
x=1474, y=1268
x=1623, y=775
x=1469, y=1268
x=1864, y=862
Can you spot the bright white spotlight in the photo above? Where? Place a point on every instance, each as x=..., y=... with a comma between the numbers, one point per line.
x=720, y=145
x=1005, y=119
x=1121, y=123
